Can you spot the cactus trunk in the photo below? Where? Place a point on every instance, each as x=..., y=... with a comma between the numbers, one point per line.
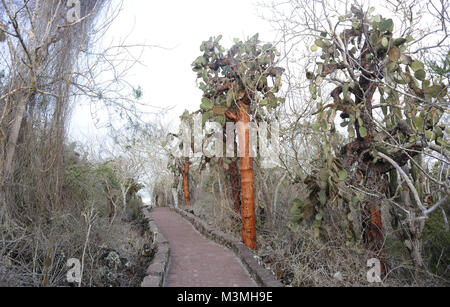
x=247, y=179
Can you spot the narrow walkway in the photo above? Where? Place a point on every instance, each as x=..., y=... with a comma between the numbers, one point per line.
x=196, y=261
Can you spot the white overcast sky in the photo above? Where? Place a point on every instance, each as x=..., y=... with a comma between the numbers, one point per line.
x=167, y=78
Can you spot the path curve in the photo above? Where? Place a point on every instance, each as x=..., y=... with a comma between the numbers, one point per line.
x=194, y=260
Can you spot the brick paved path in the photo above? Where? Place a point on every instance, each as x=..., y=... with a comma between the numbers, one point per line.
x=196, y=261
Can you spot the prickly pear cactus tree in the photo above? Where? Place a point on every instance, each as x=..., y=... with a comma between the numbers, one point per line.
x=181, y=166
x=239, y=85
x=246, y=72
x=391, y=107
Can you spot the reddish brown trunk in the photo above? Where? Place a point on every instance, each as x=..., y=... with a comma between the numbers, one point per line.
x=372, y=222
x=373, y=226
x=187, y=198
x=373, y=233
x=247, y=179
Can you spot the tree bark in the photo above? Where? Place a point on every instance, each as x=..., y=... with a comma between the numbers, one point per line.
x=373, y=235
x=13, y=137
x=373, y=231
x=247, y=178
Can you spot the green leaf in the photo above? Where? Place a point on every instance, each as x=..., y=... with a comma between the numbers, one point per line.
x=351, y=132
x=393, y=67
x=433, y=91
x=385, y=42
x=416, y=65
x=314, y=48
x=394, y=54
x=310, y=75
x=387, y=25
x=206, y=104
x=429, y=135
x=200, y=61
x=316, y=127
x=221, y=119
x=342, y=175
x=255, y=38
x=296, y=219
x=319, y=216
x=320, y=43
x=420, y=75
x=440, y=141
x=205, y=76
x=295, y=211
x=412, y=139
x=399, y=41
x=362, y=132
x=438, y=132
x=206, y=116
x=418, y=123
x=298, y=202
x=230, y=98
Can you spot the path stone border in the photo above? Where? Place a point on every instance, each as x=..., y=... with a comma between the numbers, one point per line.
x=262, y=276
x=158, y=269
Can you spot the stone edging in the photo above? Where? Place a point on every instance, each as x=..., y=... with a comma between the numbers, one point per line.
x=157, y=271
x=262, y=276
